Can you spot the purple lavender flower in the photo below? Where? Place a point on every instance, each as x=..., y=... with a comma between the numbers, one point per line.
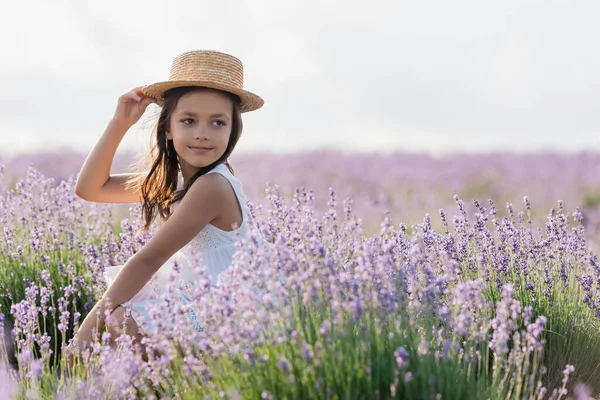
x=284, y=365
x=402, y=357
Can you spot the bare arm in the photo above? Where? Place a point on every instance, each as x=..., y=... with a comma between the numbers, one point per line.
x=208, y=193
x=95, y=183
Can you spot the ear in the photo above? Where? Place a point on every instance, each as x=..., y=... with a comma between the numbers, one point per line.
x=169, y=135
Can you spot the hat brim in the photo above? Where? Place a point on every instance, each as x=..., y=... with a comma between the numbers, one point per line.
x=248, y=100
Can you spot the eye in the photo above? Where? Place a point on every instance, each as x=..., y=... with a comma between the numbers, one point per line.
x=219, y=123
x=187, y=121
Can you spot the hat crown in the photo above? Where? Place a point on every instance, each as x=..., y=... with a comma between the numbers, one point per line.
x=208, y=66
x=210, y=69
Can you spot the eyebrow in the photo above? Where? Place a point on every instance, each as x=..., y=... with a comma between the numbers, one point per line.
x=193, y=114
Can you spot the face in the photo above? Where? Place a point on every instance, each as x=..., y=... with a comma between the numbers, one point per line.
x=200, y=126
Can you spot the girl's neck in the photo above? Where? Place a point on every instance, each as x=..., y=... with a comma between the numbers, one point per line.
x=185, y=174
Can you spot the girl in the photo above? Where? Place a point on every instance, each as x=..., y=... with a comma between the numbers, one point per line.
x=203, y=209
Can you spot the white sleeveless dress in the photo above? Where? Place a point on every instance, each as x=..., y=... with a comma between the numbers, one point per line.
x=216, y=248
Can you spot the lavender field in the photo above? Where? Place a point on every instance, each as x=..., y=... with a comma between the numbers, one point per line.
x=400, y=276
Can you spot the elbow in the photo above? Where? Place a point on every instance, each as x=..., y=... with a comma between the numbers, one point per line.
x=81, y=195
x=81, y=192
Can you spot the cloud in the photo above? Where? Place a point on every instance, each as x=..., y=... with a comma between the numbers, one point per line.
x=416, y=76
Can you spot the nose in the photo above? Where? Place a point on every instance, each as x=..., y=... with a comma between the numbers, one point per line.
x=200, y=132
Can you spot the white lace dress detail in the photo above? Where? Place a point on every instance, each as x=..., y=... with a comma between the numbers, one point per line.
x=214, y=246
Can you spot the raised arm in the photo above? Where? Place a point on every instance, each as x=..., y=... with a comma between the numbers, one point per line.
x=95, y=183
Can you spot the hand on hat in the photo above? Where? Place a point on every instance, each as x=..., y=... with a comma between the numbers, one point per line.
x=131, y=107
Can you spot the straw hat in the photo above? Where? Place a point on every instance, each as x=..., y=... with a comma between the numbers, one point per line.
x=210, y=69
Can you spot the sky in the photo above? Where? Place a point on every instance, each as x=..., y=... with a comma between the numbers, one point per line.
x=380, y=76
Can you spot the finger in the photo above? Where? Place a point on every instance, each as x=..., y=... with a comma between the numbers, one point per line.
x=138, y=90
x=134, y=96
x=146, y=102
x=129, y=97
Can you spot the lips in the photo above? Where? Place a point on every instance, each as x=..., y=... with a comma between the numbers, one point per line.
x=199, y=149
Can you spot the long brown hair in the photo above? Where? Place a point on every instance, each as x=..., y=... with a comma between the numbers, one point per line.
x=159, y=185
